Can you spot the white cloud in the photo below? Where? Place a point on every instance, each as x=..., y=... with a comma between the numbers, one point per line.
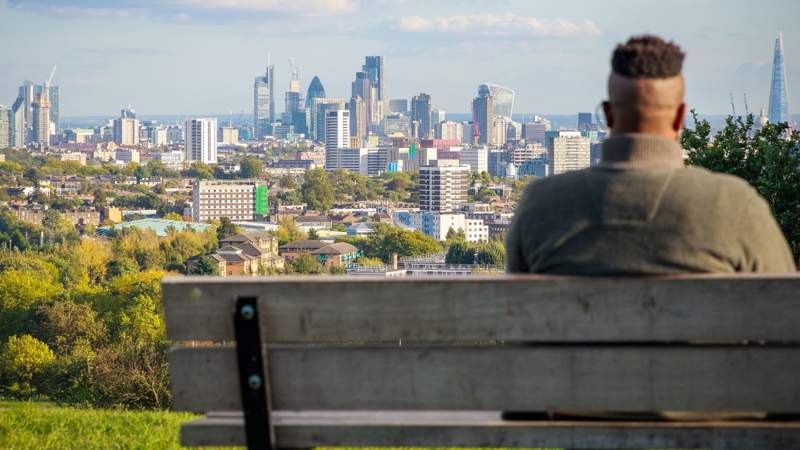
x=300, y=7
x=497, y=25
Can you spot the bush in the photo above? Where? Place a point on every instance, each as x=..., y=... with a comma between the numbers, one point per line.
x=23, y=361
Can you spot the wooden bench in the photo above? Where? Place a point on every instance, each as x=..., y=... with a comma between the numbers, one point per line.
x=590, y=363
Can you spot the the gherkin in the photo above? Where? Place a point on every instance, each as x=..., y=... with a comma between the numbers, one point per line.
x=315, y=90
x=778, y=92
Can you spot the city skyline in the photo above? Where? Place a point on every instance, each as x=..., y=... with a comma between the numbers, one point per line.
x=446, y=49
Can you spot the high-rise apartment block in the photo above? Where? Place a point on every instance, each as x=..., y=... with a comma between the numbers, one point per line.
x=264, y=103
x=41, y=120
x=16, y=124
x=448, y=130
x=244, y=200
x=443, y=186
x=126, y=128
x=534, y=131
x=367, y=161
x=569, y=151
x=201, y=140
x=337, y=129
x=477, y=158
x=5, y=138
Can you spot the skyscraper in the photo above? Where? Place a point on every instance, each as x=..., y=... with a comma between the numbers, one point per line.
x=569, y=151
x=55, y=109
x=41, y=120
x=483, y=117
x=778, y=92
x=201, y=140
x=264, y=102
x=337, y=129
x=126, y=128
x=26, y=92
x=16, y=124
x=373, y=65
x=315, y=90
x=5, y=114
x=443, y=186
x=318, y=109
x=398, y=105
x=293, y=100
x=502, y=98
x=585, y=121
x=358, y=117
x=421, y=114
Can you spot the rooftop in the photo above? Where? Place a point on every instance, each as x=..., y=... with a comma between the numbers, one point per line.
x=160, y=226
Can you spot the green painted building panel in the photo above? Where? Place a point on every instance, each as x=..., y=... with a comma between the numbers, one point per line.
x=262, y=204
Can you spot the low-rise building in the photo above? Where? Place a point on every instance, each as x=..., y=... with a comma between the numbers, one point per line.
x=328, y=253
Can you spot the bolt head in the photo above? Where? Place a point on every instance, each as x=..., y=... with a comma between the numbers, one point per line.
x=248, y=312
x=254, y=382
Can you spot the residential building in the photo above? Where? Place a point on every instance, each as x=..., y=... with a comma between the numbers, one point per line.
x=421, y=114
x=483, y=119
x=77, y=157
x=16, y=124
x=396, y=124
x=443, y=186
x=398, y=106
x=477, y=158
x=570, y=151
x=264, y=103
x=448, y=130
x=307, y=223
x=778, y=91
x=201, y=140
x=337, y=130
x=437, y=116
x=340, y=254
x=80, y=135
x=475, y=230
x=230, y=135
x=502, y=98
x=440, y=144
x=127, y=155
x=236, y=199
x=41, y=120
x=172, y=160
x=521, y=153
x=26, y=92
x=126, y=128
x=5, y=138
x=369, y=161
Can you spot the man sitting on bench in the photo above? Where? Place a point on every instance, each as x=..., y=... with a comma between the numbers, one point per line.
x=640, y=211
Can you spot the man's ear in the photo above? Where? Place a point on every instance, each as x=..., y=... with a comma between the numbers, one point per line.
x=680, y=116
x=608, y=114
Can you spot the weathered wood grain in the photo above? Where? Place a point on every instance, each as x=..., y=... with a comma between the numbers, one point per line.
x=486, y=429
x=509, y=378
x=536, y=309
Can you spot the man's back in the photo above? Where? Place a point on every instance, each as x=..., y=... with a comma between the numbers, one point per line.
x=639, y=215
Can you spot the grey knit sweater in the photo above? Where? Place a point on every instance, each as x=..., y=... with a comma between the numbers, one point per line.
x=640, y=212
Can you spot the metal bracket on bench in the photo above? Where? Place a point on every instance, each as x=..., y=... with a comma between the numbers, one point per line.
x=254, y=384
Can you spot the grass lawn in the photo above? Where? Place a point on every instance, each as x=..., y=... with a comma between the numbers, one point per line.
x=34, y=425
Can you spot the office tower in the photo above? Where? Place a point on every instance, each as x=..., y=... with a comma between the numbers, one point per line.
x=244, y=200
x=443, y=186
x=358, y=118
x=497, y=162
x=514, y=131
x=318, y=109
x=421, y=113
x=483, y=118
x=778, y=91
x=373, y=65
x=315, y=90
x=300, y=121
x=534, y=131
x=477, y=158
x=569, y=151
x=264, y=103
x=172, y=160
x=27, y=94
x=585, y=121
x=5, y=129
x=16, y=124
x=200, y=137
x=437, y=116
x=521, y=153
x=126, y=128
x=502, y=98
x=448, y=130
x=396, y=123
x=41, y=120
x=337, y=129
x=398, y=106
x=292, y=103
x=499, y=130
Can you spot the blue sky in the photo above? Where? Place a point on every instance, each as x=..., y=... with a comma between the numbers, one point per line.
x=200, y=56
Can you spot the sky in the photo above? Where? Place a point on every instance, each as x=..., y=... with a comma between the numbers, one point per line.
x=200, y=56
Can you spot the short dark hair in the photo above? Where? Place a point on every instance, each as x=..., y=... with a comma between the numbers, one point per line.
x=647, y=57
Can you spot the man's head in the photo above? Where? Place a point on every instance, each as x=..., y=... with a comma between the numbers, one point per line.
x=646, y=88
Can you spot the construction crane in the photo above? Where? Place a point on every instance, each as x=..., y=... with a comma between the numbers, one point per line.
x=733, y=106
x=52, y=74
x=746, y=106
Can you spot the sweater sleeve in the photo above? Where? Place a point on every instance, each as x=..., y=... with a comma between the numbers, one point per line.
x=515, y=259
x=765, y=245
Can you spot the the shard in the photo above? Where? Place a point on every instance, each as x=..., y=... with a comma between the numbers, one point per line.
x=778, y=93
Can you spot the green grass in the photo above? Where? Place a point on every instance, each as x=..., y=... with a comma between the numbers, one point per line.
x=36, y=425
x=29, y=425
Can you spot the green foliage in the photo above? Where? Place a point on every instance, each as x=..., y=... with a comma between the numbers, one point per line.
x=492, y=253
x=387, y=239
x=226, y=228
x=317, y=190
x=306, y=264
x=199, y=170
x=768, y=159
x=250, y=167
x=205, y=265
x=460, y=252
x=288, y=231
x=23, y=360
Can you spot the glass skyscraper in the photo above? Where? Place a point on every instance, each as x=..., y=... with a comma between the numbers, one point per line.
x=778, y=92
x=503, y=98
x=315, y=90
x=264, y=103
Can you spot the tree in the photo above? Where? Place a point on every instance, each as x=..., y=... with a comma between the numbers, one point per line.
x=205, y=265
x=387, y=239
x=226, y=228
x=768, y=159
x=24, y=358
x=460, y=252
x=200, y=170
x=250, y=167
x=317, y=190
x=307, y=264
x=288, y=231
x=492, y=253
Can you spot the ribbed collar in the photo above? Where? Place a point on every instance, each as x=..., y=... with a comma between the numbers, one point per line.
x=641, y=150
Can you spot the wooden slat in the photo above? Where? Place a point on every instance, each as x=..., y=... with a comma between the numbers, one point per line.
x=521, y=308
x=510, y=378
x=486, y=429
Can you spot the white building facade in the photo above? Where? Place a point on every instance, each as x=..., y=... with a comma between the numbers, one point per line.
x=200, y=137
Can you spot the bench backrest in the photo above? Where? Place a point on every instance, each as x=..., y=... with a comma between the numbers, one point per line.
x=496, y=343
